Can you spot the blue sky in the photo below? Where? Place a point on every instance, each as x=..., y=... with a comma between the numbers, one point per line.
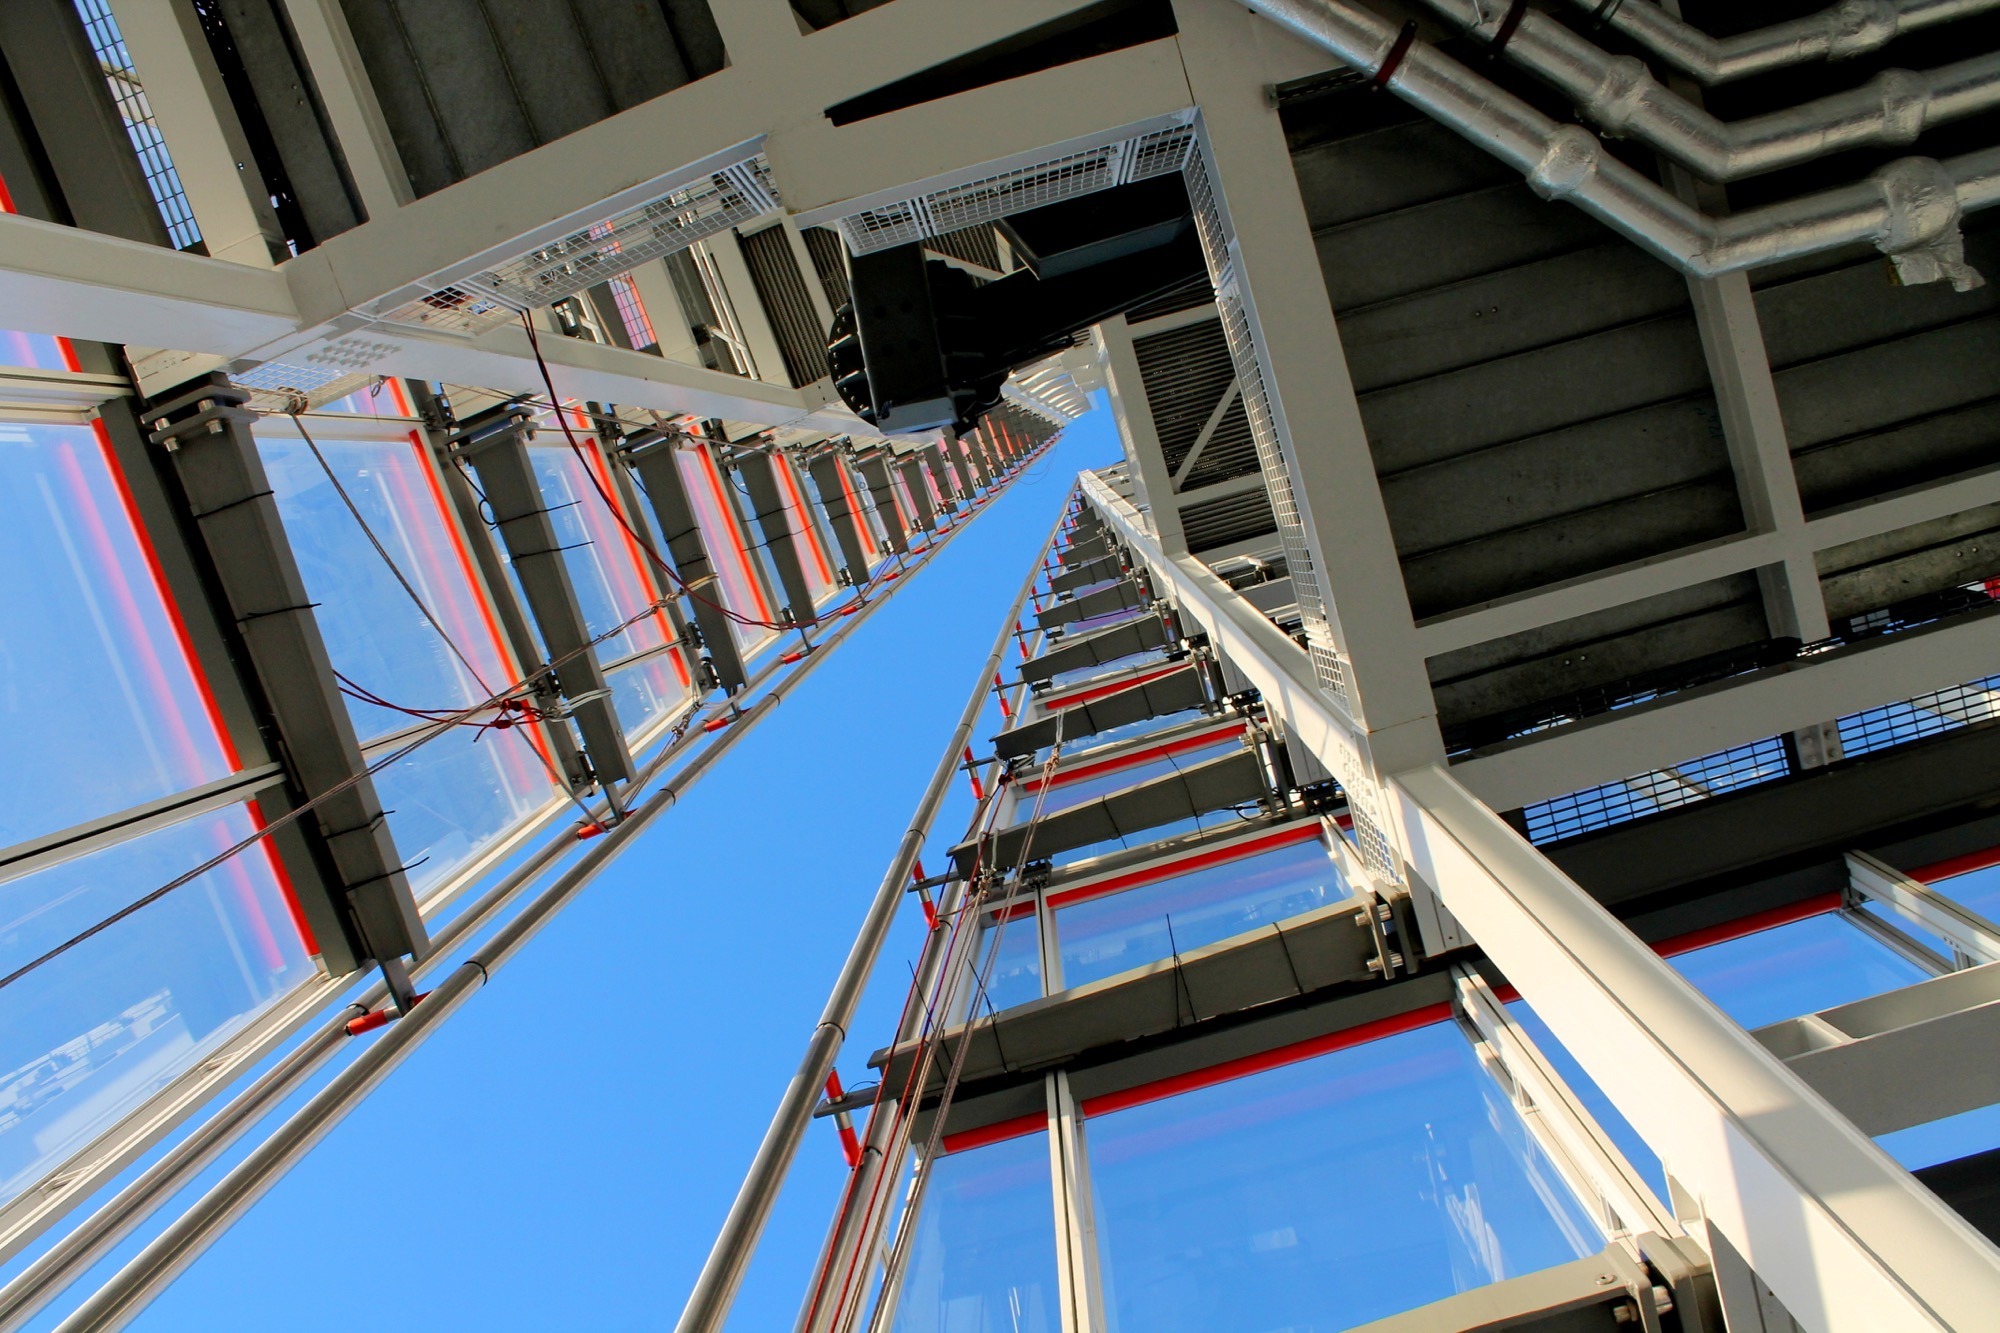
x=561, y=1153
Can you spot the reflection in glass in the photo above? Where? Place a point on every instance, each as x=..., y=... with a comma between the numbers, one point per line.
x=87, y=1036
x=450, y=798
x=1083, y=790
x=1794, y=969
x=983, y=1259
x=1015, y=975
x=723, y=537
x=1102, y=936
x=1608, y=1117
x=98, y=703
x=1323, y=1194
x=376, y=635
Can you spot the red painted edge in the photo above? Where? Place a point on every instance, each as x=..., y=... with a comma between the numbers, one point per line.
x=1817, y=905
x=1272, y=1059
x=1113, y=687
x=1956, y=865
x=1132, y=758
x=1307, y=831
x=1018, y=1127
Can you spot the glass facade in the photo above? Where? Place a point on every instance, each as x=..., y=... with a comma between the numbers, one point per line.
x=983, y=1257
x=92, y=1033
x=1101, y=934
x=1322, y=1194
x=84, y=594
x=1798, y=968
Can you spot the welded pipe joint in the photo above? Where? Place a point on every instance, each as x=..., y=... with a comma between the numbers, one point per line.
x=1856, y=27
x=1568, y=164
x=1906, y=104
x=1920, y=226
x=1622, y=95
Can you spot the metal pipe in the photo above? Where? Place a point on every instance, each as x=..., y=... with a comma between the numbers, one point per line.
x=1909, y=209
x=1851, y=28
x=715, y=1290
x=1621, y=95
x=136, y=1285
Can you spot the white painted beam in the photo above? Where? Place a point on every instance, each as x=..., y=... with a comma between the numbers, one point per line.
x=1133, y=412
x=1648, y=737
x=1712, y=560
x=85, y=284
x=1333, y=471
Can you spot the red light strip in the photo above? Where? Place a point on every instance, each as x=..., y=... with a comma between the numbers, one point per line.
x=1018, y=1127
x=1084, y=696
x=1956, y=865
x=1134, y=758
x=1817, y=905
x=1224, y=1072
x=1289, y=836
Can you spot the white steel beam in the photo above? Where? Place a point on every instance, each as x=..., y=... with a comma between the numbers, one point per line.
x=1845, y=1237
x=327, y=47
x=184, y=91
x=1648, y=737
x=85, y=284
x=1333, y=472
x=1134, y=415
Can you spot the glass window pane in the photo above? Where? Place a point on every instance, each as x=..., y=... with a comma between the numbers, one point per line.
x=1016, y=973
x=98, y=702
x=725, y=543
x=450, y=797
x=645, y=692
x=1083, y=790
x=983, y=1259
x=1102, y=936
x=376, y=635
x=36, y=351
x=89, y=1035
x=804, y=520
x=1608, y=1117
x=1978, y=890
x=1323, y=1194
x=1794, y=969
x=1085, y=675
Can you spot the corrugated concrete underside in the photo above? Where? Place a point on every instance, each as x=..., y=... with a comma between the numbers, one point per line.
x=467, y=84
x=1538, y=405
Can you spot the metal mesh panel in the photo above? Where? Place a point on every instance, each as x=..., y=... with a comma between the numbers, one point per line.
x=162, y=179
x=993, y=197
x=1926, y=715
x=1257, y=410
x=1664, y=789
x=599, y=252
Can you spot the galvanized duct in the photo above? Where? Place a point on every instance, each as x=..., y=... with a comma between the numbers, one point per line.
x=1909, y=209
x=1852, y=28
x=1621, y=95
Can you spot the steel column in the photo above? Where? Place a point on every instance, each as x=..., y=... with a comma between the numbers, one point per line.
x=207, y=431
x=759, y=472
x=496, y=444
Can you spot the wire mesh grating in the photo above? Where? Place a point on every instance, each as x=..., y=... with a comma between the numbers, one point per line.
x=1663, y=789
x=599, y=252
x=1931, y=714
x=991, y=198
